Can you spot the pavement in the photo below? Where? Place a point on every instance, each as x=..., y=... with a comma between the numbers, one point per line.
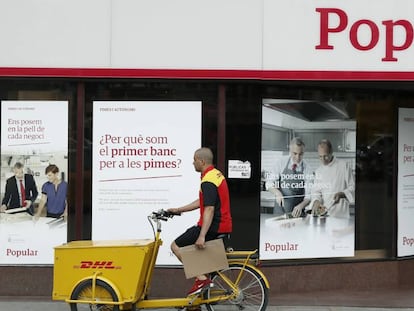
x=13, y=304
x=376, y=299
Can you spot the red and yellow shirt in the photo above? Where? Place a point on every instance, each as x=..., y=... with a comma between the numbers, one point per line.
x=214, y=192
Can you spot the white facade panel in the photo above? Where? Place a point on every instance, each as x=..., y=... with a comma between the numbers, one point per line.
x=261, y=35
x=55, y=33
x=292, y=32
x=189, y=34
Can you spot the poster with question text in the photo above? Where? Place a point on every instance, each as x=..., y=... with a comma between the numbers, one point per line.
x=405, y=244
x=142, y=162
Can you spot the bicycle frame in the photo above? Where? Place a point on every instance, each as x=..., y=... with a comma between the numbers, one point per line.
x=242, y=258
x=239, y=257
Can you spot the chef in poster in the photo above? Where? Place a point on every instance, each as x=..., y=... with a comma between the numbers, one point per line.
x=34, y=135
x=291, y=181
x=319, y=179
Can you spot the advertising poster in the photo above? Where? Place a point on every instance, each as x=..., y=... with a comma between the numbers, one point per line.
x=405, y=245
x=34, y=135
x=297, y=175
x=143, y=162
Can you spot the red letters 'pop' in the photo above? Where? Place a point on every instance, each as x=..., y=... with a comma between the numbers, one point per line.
x=390, y=26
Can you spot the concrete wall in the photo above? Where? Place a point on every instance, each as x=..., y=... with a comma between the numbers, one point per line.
x=362, y=276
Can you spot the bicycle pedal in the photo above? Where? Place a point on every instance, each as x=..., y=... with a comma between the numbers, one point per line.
x=202, y=291
x=193, y=298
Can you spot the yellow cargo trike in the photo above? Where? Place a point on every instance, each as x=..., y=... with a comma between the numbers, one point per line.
x=116, y=275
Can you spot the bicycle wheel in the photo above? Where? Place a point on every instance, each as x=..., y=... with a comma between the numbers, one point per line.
x=103, y=293
x=253, y=293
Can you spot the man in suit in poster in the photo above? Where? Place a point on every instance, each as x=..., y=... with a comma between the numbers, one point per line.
x=21, y=191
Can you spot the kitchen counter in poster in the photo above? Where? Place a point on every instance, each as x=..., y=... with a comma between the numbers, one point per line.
x=309, y=237
x=22, y=240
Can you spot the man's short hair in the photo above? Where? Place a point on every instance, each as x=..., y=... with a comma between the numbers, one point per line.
x=327, y=143
x=298, y=142
x=205, y=154
x=18, y=165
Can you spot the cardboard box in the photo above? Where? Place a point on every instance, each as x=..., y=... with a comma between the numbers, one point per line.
x=200, y=261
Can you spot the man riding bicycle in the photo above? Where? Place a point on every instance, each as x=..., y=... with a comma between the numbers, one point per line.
x=215, y=215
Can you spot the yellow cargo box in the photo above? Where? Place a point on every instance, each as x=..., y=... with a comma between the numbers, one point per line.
x=123, y=263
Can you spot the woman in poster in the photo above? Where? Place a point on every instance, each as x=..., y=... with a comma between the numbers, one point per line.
x=54, y=193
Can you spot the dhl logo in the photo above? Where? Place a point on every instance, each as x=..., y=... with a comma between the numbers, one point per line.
x=86, y=264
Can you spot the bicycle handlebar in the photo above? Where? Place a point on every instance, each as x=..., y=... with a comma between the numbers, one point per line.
x=163, y=215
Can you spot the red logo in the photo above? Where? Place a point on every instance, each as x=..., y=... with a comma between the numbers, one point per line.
x=334, y=21
x=85, y=264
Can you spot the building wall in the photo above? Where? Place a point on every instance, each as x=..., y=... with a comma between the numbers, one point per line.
x=18, y=281
x=236, y=39
x=264, y=39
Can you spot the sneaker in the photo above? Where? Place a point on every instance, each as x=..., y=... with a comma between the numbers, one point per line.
x=199, y=285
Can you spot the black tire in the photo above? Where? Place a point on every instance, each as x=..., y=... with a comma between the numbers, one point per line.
x=253, y=291
x=103, y=293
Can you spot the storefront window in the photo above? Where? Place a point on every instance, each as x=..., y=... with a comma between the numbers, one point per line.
x=372, y=106
x=374, y=113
